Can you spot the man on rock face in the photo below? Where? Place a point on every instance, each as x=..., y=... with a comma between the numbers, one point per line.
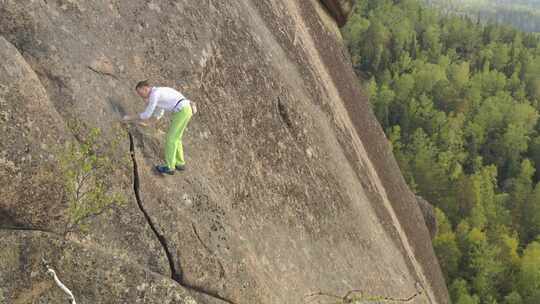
x=165, y=99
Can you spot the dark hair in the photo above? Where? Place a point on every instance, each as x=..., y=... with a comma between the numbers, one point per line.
x=142, y=84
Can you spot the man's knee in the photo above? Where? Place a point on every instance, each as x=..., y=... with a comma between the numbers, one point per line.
x=170, y=138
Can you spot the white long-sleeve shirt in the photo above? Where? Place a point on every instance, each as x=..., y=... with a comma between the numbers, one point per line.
x=164, y=99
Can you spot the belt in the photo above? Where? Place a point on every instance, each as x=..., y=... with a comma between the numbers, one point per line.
x=177, y=103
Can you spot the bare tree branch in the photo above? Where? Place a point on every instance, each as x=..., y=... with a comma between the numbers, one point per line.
x=350, y=297
x=58, y=282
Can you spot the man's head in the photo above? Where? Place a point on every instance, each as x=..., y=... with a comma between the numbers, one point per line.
x=143, y=88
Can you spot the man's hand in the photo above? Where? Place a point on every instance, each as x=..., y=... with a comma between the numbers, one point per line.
x=129, y=118
x=148, y=122
x=136, y=119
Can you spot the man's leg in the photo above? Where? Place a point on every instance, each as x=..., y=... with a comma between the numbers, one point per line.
x=174, y=136
x=180, y=149
x=171, y=142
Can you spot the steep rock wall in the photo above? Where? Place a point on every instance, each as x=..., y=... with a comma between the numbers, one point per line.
x=339, y=9
x=291, y=187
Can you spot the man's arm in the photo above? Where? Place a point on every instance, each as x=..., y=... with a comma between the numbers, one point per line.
x=147, y=114
x=152, y=104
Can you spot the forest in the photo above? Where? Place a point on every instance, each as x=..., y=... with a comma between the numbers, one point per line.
x=459, y=102
x=523, y=14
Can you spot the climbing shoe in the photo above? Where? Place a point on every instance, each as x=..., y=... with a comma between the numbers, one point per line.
x=180, y=167
x=164, y=170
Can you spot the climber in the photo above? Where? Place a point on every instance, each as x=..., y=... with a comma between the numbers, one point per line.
x=165, y=99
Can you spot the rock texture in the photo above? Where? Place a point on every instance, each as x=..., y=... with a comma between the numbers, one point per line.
x=291, y=187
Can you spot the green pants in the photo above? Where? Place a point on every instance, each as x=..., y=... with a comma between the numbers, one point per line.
x=174, y=152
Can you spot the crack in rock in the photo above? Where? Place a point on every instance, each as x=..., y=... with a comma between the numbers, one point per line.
x=221, y=268
x=18, y=228
x=101, y=72
x=283, y=113
x=176, y=275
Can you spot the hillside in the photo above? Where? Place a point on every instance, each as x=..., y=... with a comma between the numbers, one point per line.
x=459, y=101
x=521, y=14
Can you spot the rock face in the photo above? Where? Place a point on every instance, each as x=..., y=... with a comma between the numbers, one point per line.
x=291, y=186
x=428, y=212
x=339, y=9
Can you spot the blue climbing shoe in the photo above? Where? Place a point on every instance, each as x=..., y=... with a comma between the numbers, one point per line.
x=164, y=170
x=180, y=167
